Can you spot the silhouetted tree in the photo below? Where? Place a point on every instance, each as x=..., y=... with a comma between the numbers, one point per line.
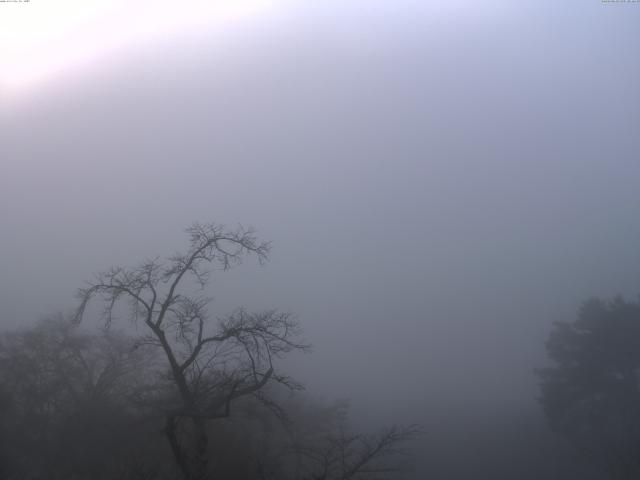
x=64, y=402
x=312, y=442
x=342, y=455
x=315, y=442
x=590, y=394
x=212, y=362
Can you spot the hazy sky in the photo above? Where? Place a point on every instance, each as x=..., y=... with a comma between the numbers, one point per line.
x=441, y=180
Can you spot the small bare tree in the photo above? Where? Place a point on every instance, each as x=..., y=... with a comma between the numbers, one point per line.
x=345, y=456
x=212, y=362
x=319, y=444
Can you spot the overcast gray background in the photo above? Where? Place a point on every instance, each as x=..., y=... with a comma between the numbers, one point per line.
x=438, y=188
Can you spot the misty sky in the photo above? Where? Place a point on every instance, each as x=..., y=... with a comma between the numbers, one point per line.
x=441, y=180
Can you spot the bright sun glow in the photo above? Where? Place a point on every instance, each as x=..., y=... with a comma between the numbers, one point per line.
x=41, y=39
x=45, y=39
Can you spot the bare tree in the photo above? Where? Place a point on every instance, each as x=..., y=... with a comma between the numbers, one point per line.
x=212, y=362
x=319, y=445
x=64, y=401
x=54, y=367
x=356, y=456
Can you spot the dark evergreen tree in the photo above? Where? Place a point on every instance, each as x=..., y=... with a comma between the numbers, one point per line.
x=590, y=393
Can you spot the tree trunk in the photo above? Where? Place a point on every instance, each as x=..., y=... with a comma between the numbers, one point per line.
x=200, y=470
x=190, y=456
x=179, y=455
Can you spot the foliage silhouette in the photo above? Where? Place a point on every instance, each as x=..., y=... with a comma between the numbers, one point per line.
x=65, y=403
x=590, y=394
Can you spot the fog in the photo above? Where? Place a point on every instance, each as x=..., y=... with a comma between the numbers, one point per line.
x=440, y=184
